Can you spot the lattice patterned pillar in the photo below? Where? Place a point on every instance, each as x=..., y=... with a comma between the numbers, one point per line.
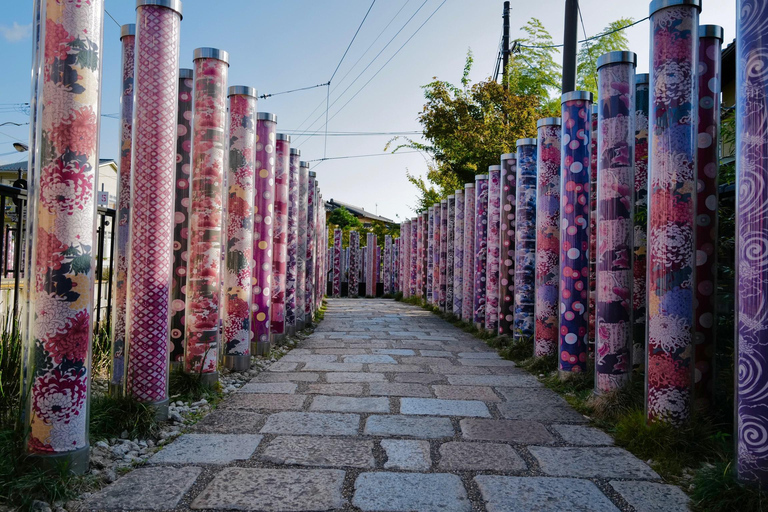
x=354, y=262
x=449, y=261
x=525, y=238
x=493, y=254
x=468, y=265
x=443, y=251
x=280, y=235
x=507, y=245
x=292, y=241
x=301, y=247
x=592, y=226
x=337, y=263
x=480, y=248
x=640, y=238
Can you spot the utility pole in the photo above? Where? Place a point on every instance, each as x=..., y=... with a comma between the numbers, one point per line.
x=569, y=45
x=505, y=46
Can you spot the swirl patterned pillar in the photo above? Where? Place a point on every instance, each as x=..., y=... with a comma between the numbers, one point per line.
x=458, y=252
x=354, y=262
x=707, y=163
x=468, y=265
x=672, y=183
x=239, y=228
x=337, y=262
x=309, y=287
x=123, y=213
x=493, y=264
x=201, y=326
x=280, y=234
x=507, y=245
x=547, y=236
x=480, y=249
x=449, y=261
x=592, y=226
x=301, y=247
x=752, y=238
x=639, y=239
x=413, y=257
x=387, y=264
x=63, y=209
x=525, y=238
x=153, y=161
x=615, y=189
x=292, y=241
x=430, y=243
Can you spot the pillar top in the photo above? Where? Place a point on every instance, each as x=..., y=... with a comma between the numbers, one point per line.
x=241, y=90
x=295, y=151
x=480, y=177
x=494, y=168
x=451, y=196
x=642, y=78
x=508, y=156
x=443, y=202
x=266, y=116
x=458, y=191
x=302, y=163
x=619, y=57
x=657, y=5
x=129, y=29
x=312, y=174
x=469, y=185
x=715, y=31
x=186, y=73
x=211, y=53
x=594, y=108
x=170, y=4
x=576, y=96
x=526, y=142
x=283, y=136
x=548, y=121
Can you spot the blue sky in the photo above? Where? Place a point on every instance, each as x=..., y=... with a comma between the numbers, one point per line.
x=280, y=45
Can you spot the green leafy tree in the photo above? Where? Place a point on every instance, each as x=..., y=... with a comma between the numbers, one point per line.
x=343, y=218
x=533, y=69
x=614, y=40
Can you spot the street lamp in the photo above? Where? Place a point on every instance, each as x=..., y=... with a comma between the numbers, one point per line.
x=20, y=147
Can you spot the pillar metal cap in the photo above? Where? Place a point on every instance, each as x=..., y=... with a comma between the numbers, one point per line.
x=715, y=31
x=657, y=5
x=481, y=177
x=302, y=163
x=494, y=167
x=266, y=116
x=130, y=30
x=576, y=96
x=620, y=57
x=211, y=53
x=186, y=73
x=283, y=136
x=431, y=209
x=594, y=108
x=312, y=174
x=508, y=156
x=241, y=90
x=451, y=196
x=170, y=4
x=526, y=142
x=642, y=78
x=295, y=151
x=469, y=185
x=458, y=191
x=443, y=202
x=549, y=121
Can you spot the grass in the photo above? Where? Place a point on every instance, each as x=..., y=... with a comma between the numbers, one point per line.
x=110, y=416
x=716, y=489
x=101, y=359
x=10, y=372
x=189, y=387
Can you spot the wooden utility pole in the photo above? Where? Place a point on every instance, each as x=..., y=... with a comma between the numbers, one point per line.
x=569, y=45
x=505, y=46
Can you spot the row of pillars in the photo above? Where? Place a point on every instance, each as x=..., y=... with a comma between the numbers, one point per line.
x=357, y=264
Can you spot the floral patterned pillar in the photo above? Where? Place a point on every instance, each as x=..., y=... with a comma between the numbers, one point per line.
x=405, y=233
x=639, y=239
x=413, y=258
x=280, y=234
x=480, y=248
x=370, y=257
x=309, y=289
x=437, y=211
x=63, y=212
x=547, y=236
x=449, y=261
x=424, y=252
x=752, y=202
x=419, y=256
x=671, y=215
x=201, y=326
x=292, y=241
x=525, y=238
x=430, y=244
x=507, y=245
x=387, y=264
x=123, y=213
x=468, y=265
x=592, y=227
x=239, y=228
x=354, y=262
x=301, y=247
x=458, y=252
x=707, y=163
x=615, y=189
x=263, y=223
x=153, y=163
x=493, y=255
x=443, y=252
x=396, y=265
x=337, y=263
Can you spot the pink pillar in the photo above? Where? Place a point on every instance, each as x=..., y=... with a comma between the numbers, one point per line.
x=449, y=264
x=413, y=255
x=153, y=157
x=507, y=244
x=592, y=225
x=430, y=245
x=205, y=214
x=424, y=226
x=480, y=248
x=640, y=239
x=420, y=256
x=62, y=209
x=292, y=242
x=239, y=228
x=458, y=252
x=468, y=292
x=436, y=256
x=493, y=263
x=387, y=264
x=405, y=233
x=301, y=247
x=370, y=257
x=443, y=252
x=309, y=287
x=337, y=262
x=354, y=263
x=280, y=234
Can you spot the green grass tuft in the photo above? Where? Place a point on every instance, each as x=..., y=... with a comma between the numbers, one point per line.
x=539, y=365
x=10, y=372
x=189, y=387
x=110, y=416
x=716, y=489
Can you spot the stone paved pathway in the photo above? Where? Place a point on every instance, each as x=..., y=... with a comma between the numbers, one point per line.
x=387, y=407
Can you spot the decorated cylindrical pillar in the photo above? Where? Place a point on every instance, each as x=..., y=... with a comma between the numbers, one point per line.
x=337, y=262
x=449, y=261
x=354, y=262
x=458, y=252
x=671, y=214
x=437, y=212
x=292, y=241
x=62, y=210
x=525, y=238
x=424, y=252
x=153, y=167
x=301, y=247
x=468, y=265
x=370, y=257
x=615, y=190
x=640, y=238
x=547, y=236
x=430, y=243
x=480, y=248
x=238, y=258
x=280, y=235
x=387, y=264
x=209, y=141
x=443, y=252
x=309, y=286
x=419, y=255
x=507, y=244
x=413, y=258
x=396, y=265
x=405, y=233
x=263, y=222
x=123, y=210
x=493, y=254
x=707, y=163
x=592, y=226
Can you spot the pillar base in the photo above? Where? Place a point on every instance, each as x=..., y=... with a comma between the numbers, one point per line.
x=76, y=461
x=209, y=379
x=290, y=330
x=175, y=365
x=480, y=326
x=238, y=363
x=261, y=349
x=277, y=339
x=161, y=409
x=299, y=325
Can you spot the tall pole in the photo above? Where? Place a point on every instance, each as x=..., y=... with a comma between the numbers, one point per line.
x=505, y=46
x=569, y=45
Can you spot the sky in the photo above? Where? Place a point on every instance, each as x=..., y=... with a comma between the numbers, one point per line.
x=281, y=45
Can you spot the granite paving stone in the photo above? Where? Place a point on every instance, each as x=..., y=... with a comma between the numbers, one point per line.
x=340, y=351
x=309, y=358
x=432, y=361
x=336, y=377
x=283, y=366
x=479, y=457
x=370, y=358
x=483, y=393
x=312, y=424
x=320, y=451
x=523, y=432
x=436, y=407
x=434, y=492
x=522, y=380
x=404, y=426
x=335, y=389
x=541, y=494
x=478, y=355
x=147, y=488
x=460, y=370
x=435, y=353
x=592, y=462
x=418, y=378
x=583, y=435
x=269, y=387
x=486, y=362
x=651, y=496
x=406, y=454
x=399, y=368
x=286, y=377
x=271, y=401
x=332, y=367
x=399, y=389
x=223, y=421
x=207, y=449
x=394, y=351
x=349, y=404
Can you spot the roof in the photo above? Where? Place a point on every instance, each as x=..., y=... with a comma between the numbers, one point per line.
x=22, y=166
x=357, y=211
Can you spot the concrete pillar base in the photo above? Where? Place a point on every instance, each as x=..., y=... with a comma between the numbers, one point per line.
x=76, y=461
x=237, y=363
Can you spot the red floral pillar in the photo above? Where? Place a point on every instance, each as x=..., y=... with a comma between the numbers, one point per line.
x=292, y=242
x=301, y=245
x=337, y=262
x=280, y=234
x=494, y=252
x=309, y=290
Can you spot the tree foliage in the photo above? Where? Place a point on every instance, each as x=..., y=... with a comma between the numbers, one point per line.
x=342, y=218
x=590, y=51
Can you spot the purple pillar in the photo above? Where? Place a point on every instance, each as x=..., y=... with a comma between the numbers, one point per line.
x=443, y=252
x=592, y=226
x=311, y=247
x=458, y=252
x=292, y=242
x=424, y=252
x=387, y=264
x=280, y=234
x=337, y=262
x=672, y=183
x=406, y=235
x=468, y=265
x=507, y=245
x=525, y=238
x=547, y=236
x=639, y=240
x=239, y=228
x=493, y=254
x=354, y=262
x=396, y=265
x=413, y=256
x=616, y=187
x=301, y=247
x=436, y=256
x=449, y=261
x=370, y=257
x=480, y=248
x=430, y=243
x=420, y=256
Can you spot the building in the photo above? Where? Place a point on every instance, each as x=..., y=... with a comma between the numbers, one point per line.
x=365, y=217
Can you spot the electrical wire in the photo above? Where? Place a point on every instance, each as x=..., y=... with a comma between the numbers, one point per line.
x=265, y=96
x=361, y=156
x=113, y=18
x=352, y=41
x=598, y=36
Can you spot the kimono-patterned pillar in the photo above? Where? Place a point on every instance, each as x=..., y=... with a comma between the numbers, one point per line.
x=354, y=262
x=492, y=263
x=396, y=264
x=525, y=238
x=387, y=264
x=707, y=162
x=458, y=252
x=640, y=239
x=406, y=234
x=311, y=247
x=480, y=248
x=238, y=259
x=63, y=211
x=293, y=228
x=468, y=265
x=752, y=239
x=419, y=255
x=301, y=247
x=436, y=257
x=449, y=262
x=672, y=182
x=424, y=251
x=263, y=221
x=153, y=162
x=430, y=244
x=443, y=251
x=507, y=245
x=616, y=187
x=123, y=213
x=280, y=234
x=547, y=236
x=370, y=257
x=337, y=262
x=201, y=326
x=592, y=226
x=413, y=260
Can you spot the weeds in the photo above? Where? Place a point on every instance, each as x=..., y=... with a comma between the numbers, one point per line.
x=110, y=416
x=716, y=489
x=189, y=387
x=10, y=372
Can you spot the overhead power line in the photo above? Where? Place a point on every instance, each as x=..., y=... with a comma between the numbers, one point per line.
x=112, y=18
x=352, y=41
x=598, y=36
x=265, y=96
x=361, y=156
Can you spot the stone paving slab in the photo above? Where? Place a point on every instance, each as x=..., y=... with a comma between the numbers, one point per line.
x=523, y=432
x=582, y=435
x=349, y=404
x=483, y=393
x=541, y=494
x=515, y=381
x=269, y=387
x=335, y=389
x=408, y=455
x=652, y=497
x=309, y=358
x=332, y=367
x=480, y=457
x=403, y=426
x=283, y=366
x=148, y=488
x=287, y=377
x=418, y=378
x=460, y=370
x=435, y=353
x=436, y=407
x=312, y=424
x=370, y=358
x=339, y=351
x=399, y=389
x=207, y=449
x=547, y=411
x=394, y=351
x=259, y=402
x=478, y=355
x=486, y=362
x=592, y=462
x=222, y=421
x=273, y=490
x=335, y=377
x=437, y=362
x=399, y=368
x=320, y=451
x=435, y=492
